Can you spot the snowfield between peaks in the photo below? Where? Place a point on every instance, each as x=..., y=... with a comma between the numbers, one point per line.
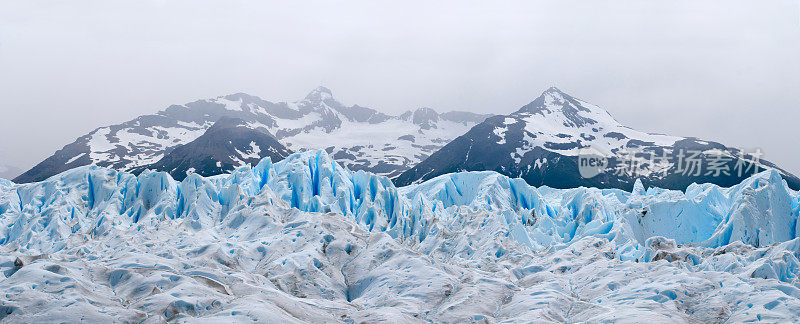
x=305, y=240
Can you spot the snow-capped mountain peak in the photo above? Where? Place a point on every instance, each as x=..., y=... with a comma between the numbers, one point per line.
x=566, y=124
x=543, y=141
x=558, y=108
x=319, y=94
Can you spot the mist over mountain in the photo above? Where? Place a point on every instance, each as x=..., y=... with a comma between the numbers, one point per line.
x=9, y=172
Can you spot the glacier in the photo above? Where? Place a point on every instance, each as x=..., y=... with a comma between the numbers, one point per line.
x=306, y=240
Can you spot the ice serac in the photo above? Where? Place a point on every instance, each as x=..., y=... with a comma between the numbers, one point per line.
x=542, y=142
x=762, y=212
x=313, y=182
x=307, y=240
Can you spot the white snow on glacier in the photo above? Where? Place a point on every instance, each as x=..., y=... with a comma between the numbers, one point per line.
x=305, y=240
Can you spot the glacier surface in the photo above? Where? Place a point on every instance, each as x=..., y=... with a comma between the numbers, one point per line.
x=305, y=240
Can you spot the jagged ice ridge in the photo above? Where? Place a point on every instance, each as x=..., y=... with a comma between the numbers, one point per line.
x=307, y=240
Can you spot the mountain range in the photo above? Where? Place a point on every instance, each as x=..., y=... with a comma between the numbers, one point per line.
x=543, y=142
x=359, y=138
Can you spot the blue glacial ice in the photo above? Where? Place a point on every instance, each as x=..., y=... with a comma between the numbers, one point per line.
x=760, y=211
x=348, y=245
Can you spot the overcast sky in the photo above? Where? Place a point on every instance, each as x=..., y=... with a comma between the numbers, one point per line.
x=727, y=71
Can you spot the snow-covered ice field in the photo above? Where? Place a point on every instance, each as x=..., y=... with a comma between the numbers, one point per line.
x=305, y=240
